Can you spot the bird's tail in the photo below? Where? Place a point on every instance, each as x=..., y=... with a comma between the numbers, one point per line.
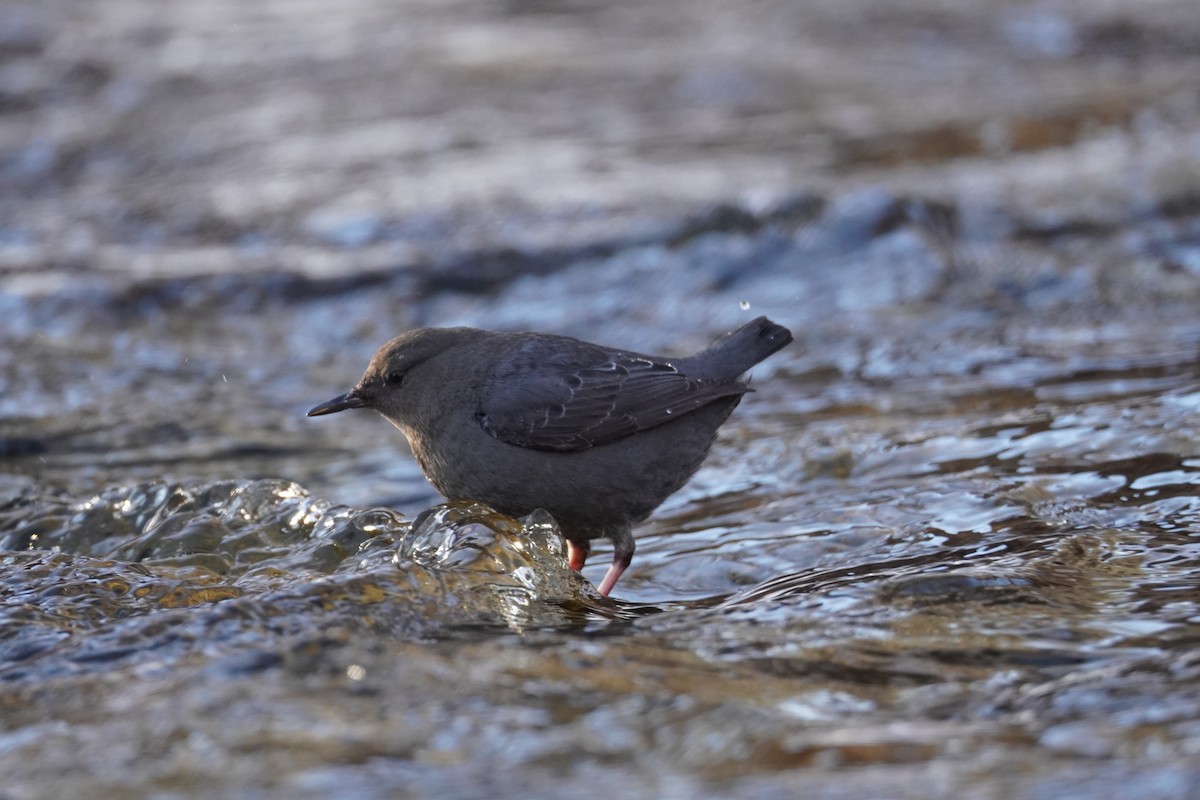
x=738, y=350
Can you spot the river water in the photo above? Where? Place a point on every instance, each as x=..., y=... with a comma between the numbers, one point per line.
x=949, y=547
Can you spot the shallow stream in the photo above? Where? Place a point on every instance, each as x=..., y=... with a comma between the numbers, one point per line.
x=949, y=547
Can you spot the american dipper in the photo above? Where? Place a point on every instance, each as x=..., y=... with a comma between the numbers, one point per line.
x=597, y=436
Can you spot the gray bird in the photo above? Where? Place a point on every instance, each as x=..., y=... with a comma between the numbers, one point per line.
x=597, y=436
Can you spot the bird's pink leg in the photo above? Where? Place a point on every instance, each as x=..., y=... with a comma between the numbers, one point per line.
x=620, y=561
x=577, y=554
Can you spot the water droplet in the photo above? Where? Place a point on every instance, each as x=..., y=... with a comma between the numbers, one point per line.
x=745, y=305
x=669, y=412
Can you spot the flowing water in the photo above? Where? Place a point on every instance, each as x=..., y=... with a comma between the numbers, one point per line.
x=951, y=538
x=949, y=547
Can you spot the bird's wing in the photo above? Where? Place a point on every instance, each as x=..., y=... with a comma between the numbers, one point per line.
x=589, y=398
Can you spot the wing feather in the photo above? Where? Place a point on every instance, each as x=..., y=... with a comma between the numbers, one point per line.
x=595, y=397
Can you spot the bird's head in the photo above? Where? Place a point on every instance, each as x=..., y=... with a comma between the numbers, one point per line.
x=393, y=377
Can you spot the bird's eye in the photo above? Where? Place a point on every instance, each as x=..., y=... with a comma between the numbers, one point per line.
x=394, y=378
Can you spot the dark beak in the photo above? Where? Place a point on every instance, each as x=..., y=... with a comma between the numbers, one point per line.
x=350, y=399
